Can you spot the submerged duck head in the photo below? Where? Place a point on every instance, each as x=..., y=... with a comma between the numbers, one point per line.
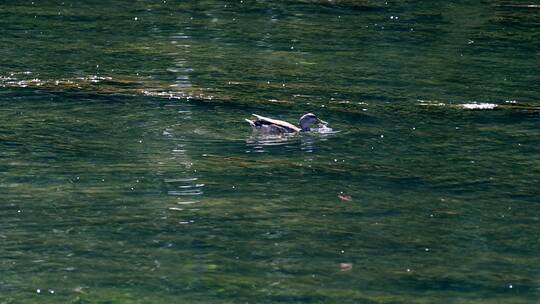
x=307, y=120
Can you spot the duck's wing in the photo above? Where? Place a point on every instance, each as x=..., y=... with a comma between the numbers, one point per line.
x=276, y=122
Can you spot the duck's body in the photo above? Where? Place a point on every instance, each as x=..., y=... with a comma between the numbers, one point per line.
x=276, y=126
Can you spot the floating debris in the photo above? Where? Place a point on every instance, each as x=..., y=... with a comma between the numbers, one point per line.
x=345, y=198
x=345, y=266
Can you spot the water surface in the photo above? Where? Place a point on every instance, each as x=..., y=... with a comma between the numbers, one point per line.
x=127, y=174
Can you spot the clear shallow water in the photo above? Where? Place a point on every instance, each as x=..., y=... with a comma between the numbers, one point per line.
x=128, y=175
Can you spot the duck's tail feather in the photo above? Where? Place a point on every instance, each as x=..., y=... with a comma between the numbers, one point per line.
x=250, y=122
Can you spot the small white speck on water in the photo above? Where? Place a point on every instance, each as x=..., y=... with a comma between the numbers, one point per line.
x=342, y=251
x=140, y=141
x=292, y=47
x=414, y=128
x=510, y=286
x=18, y=211
x=136, y=18
x=408, y=270
x=38, y=290
x=382, y=136
x=132, y=189
x=51, y=291
x=427, y=249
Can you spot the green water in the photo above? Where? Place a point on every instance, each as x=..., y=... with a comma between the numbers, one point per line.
x=127, y=174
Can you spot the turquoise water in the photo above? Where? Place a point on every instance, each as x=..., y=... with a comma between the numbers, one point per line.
x=127, y=173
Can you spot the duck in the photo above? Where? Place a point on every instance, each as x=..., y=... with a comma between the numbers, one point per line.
x=276, y=126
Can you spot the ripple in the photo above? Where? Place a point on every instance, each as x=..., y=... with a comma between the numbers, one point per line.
x=185, y=192
x=177, y=180
x=186, y=186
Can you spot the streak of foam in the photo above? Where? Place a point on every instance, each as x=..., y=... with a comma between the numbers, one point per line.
x=478, y=106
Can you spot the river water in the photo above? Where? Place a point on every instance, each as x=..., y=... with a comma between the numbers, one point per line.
x=127, y=173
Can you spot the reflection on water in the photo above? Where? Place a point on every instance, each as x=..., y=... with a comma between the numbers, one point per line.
x=259, y=142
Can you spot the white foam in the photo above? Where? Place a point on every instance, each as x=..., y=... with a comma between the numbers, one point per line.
x=479, y=106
